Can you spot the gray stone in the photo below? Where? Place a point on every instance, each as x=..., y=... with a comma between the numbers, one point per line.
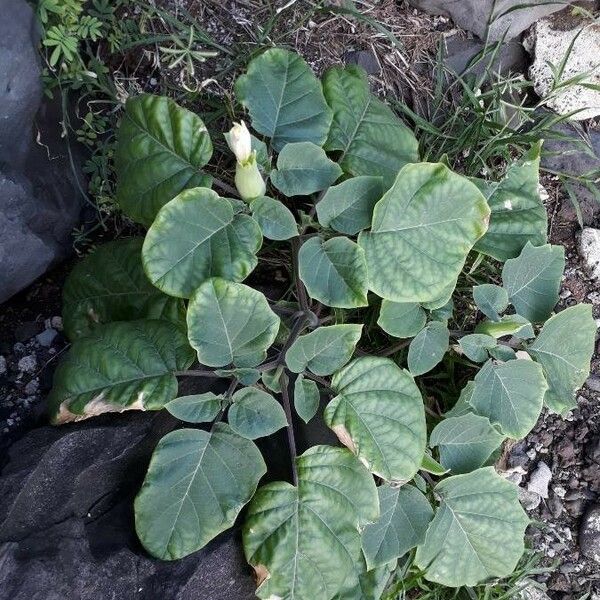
x=66, y=521
x=47, y=337
x=589, y=533
x=28, y=364
x=540, y=479
x=3, y=367
x=572, y=38
x=504, y=23
x=589, y=248
x=365, y=59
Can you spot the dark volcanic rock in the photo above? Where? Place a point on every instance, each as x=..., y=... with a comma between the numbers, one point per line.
x=66, y=521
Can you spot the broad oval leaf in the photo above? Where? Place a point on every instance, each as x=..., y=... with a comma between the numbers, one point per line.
x=518, y=214
x=230, y=323
x=405, y=515
x=197, y=236
x=476, y=346
x=427, y=349
x=304, y=541
x=515, y=325
x=532, y=280
x=477, y=532
x=306, y=398
x=371, y=138
x=120, y=366
x=367, y=585
x=110, y=285
x=302, y=169
x=284, y=99
x=379, y=414
x=275, y=219
x=423, y=228
x=196, y=485
x=161, y=148
x=198, y=408
x=465, y=442
x=254, y=413
x=348, y=206
x=334, y=271
x=491, y=300
x=564, y=348
x=401, y=319
x=510, y=395
x=324, y=350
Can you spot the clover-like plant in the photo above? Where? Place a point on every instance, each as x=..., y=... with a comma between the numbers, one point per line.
x=361, y=248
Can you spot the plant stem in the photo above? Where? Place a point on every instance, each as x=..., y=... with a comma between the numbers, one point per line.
x=395, y=348
x=320, y=380
x=300, y=289
x=196, y=373
x=287, y=407
x=225, y=187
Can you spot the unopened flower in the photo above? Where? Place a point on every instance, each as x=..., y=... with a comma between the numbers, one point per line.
x=240, y=142
x=248, y=180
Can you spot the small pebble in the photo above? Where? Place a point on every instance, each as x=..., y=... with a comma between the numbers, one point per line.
x=47, y=337
x=3, y=367
x=28, y=364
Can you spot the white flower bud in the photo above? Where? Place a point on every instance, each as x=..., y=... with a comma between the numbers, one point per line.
x=240, y=142
x=248, y=180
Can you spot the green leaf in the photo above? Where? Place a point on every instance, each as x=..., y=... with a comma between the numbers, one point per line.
x=196, y=485
x=430, y=465
x=443, y=313
x=564, y=348
x=379, y=414
x=510, y=395
x=401, y=319
x=443, y=301
x=323, y=350
x=334, y=272
x=503, y=353
x=230, y=323
x=119, y=366
x=476, y=345
x=110, y=285
x=304, y=541
x=491, y=300
x=244, y=376
x=405, y=515
x=463, y=404
x=466, y=442
x=422, y=231
x=255, y=414
x=302, y=169
x=477, y=532
x=533, y=280
x=161, y=148
x=197, y=236
x=348, y=206
x=518, y=215
x=275, y=219
x=263, y=160
x=371, y=138
x=306, y=398
x=515, y=325
x=427, y=349
x=199, y=408
x=272, y=379
x=284, y=99
x=369, y=585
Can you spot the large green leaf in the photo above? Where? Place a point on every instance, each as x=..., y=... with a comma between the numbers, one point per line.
x=401, y=319
x=197, y=236
x=334, y=271
x=491, y=300
x=324, y=350
x=510, y=395
x=160, y=151
x=477, y=345
x=198, y=408
x=371, y=138
x=427, y=349
x=348, y=206
x=379, y=414
x=518, y=215
x=284, y=99
x=254, y=413
x=368, y=585
x=564, y=348
x=465, y=442
x=423, y=228
x=532, y=280
x=302, y=169
x=110, y=285
x=306, y=398
x=196, y=485
x=275, y=219
x=304, y=541
x=230, y=323
x=462, y=405
x=477, y=532
x=119, y=366
x=405, y=515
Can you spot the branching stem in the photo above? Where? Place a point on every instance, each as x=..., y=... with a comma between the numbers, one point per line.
x=287, y=407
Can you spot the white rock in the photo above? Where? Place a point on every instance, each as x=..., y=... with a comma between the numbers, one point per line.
x=589, y=248
x=539, y=480
x=28, y=364
x=549, y=41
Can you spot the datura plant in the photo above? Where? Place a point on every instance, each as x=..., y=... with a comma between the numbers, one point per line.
x=353, y=254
